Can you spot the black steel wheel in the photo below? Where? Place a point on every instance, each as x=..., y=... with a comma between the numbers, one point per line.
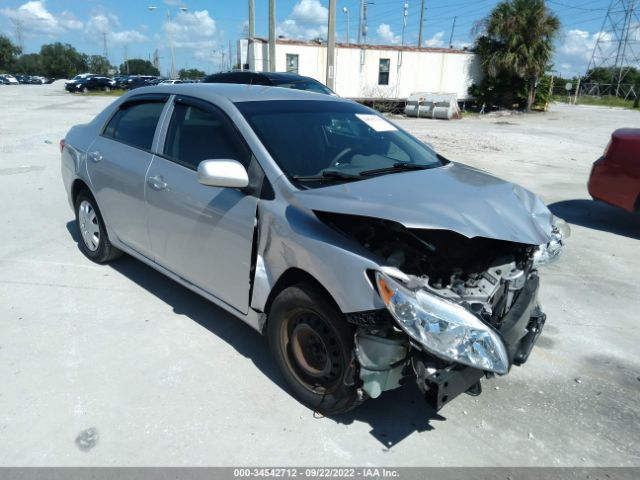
x=313, y=347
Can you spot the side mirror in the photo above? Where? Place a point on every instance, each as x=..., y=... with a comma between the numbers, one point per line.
x=222, y=173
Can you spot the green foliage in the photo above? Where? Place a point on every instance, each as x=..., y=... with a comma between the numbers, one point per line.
x=98, y=64
x=517, y=43
x=29, y=64
x=606, y=75
x=8, y=54
x=191, y=74
x=61, y=60
x=507, y=91
x=138, y=66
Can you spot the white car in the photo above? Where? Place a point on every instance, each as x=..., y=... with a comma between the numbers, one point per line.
x=11, y=79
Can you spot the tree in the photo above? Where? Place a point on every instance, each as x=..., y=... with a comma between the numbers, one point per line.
x=61, y=60
x=517, y=40
x=29, y=64
x=137, y=66
x=191, y=74
x=8, y=53
x=98, y=64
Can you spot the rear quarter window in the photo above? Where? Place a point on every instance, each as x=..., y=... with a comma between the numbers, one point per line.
x=135, y=124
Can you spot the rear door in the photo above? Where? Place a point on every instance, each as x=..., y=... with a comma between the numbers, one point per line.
x=203, y=234
x=117, y=164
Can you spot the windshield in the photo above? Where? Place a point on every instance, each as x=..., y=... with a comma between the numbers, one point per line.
x=308, y=85
x=320, y=142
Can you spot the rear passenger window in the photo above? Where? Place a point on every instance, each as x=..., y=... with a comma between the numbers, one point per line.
x=195, y=135
x=135, y=124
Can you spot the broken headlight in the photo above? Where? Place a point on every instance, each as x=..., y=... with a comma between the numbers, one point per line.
x=442, y=327
x=551, y=251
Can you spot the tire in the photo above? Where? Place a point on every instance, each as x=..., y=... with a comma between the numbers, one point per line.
x=107, y=89
x=94, y=241
x=85, y=90
x=313, y=348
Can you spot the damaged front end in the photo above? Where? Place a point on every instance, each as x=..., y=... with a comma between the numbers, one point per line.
x=457, y=308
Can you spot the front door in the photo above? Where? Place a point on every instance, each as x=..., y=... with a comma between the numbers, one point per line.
x=203, y=234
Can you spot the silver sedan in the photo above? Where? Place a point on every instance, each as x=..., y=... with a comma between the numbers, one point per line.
x=364, y=256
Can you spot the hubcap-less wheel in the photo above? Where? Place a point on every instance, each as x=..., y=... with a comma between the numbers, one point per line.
x=89, y=227
x=313, y=352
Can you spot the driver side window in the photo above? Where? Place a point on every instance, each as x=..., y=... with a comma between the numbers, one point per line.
x=196, y=134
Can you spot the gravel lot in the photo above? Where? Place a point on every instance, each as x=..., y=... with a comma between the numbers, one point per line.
x=118, y=365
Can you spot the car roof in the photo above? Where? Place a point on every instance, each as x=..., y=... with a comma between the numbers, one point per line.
x=236, y=92
x=282, y=76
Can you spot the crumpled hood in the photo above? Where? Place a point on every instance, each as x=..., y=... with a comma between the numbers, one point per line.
x=454, y=197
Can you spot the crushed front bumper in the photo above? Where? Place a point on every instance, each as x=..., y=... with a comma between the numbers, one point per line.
x=520, y=329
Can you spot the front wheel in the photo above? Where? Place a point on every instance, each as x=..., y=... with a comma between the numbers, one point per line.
x=313, y=346
x=94, y=241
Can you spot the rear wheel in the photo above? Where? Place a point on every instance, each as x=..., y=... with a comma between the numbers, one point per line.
x=107, y=89
x=313, y=347
x=94, y=241
x=85, y=90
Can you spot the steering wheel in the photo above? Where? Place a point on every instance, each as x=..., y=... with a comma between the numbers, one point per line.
x=336, y=160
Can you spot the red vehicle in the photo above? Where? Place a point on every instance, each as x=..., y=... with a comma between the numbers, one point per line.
x=615, y=177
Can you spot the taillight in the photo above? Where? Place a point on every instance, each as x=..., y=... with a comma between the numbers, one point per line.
x=61, y=145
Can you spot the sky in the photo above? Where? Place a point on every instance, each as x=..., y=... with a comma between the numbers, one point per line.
x=202, y=29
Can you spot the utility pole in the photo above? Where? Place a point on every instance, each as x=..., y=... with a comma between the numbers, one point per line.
x=173, y=53
x=331, y=45
x=362, y=26
x=105, y=50
x=345, y=10
x=453, y=29
x=19, y=28
x=252, y=19
x=421, y=23
x=272, y=35
x=126, y=60
x=405, y=13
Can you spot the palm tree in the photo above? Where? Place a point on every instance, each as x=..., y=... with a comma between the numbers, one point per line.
x=517, y=39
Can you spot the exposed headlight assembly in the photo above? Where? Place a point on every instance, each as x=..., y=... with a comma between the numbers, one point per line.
x=442, y=327
x=550, y=252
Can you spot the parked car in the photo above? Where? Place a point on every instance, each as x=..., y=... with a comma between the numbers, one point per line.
x=91, y=83
x=79, y=77
x=4, y=81
x=364, y=256
x=171, y=82
x=615, y=177
x=273, y=79
x=137, y=81
x=11, y=80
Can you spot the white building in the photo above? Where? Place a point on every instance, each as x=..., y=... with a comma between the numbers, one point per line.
x=372, y=71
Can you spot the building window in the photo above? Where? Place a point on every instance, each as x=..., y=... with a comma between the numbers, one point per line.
x=292, y=63
x=383, y=71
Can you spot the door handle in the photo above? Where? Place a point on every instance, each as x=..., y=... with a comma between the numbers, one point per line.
x=95, y=156
x=157, y=183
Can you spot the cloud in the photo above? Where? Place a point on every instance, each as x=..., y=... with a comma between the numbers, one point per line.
x=34, y=18
x=436, y=41
x=575, y=48
x=195, y=32
x=386, y=35
x=307, y=21
x=106, y=23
